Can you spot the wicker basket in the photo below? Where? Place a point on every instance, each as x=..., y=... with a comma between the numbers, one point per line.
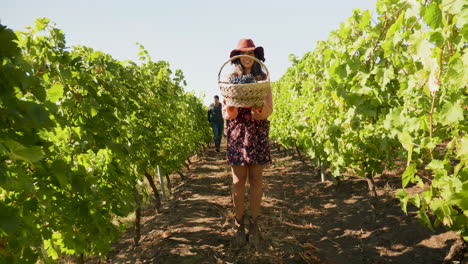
x=246, y=94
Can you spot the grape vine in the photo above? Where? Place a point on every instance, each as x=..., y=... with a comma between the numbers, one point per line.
x=78, y=131
x=377, y=92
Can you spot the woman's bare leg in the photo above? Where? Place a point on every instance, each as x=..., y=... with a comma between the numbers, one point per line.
x=239, y=176
x=255, y=173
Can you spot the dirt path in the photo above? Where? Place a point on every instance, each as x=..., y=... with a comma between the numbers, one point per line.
x=303, y=221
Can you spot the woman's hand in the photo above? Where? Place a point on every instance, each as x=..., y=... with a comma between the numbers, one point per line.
x=231, y=109
x=257, y=112
x=229, y=112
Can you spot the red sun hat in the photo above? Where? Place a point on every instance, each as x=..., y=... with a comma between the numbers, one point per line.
x=248, y=45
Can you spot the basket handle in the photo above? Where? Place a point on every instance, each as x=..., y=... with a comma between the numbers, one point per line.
x=240, y=56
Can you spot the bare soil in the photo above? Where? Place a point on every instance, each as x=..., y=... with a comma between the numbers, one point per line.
x=303, y=221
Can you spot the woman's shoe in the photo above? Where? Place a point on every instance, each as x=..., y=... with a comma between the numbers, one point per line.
x=239, y=239
x=255, y=235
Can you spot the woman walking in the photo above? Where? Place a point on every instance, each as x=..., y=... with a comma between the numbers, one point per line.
x=248, y=149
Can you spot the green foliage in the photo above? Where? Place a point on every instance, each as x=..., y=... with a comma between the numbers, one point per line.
x=396, y=89
x=78, y=129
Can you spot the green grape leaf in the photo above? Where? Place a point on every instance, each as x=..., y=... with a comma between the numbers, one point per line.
x=49, y=246
x=452, y=6
x=433, y=15
x=403, y=196
x=460, y=199
x=416, y=200
x=435, y=165
x=38, y=115
x=423, y=218
x=78, y=183
x=55, y=92
x=39, y=91
x=462, y=18
x=41, y=23
x=437, y=38
x=61, y=172
x=406, y=140
x=464, y=32
x=428, y=142
x=450, y=113
x=462, y=148
x=442, y=210
x=9, y=220
x=408, y=175
x=9, y=47
x=29, y=154
x=455, y=78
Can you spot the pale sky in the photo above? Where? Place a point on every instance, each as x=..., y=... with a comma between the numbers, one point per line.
x=194, y=36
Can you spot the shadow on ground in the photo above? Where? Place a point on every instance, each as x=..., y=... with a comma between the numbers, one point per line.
x=303, y=221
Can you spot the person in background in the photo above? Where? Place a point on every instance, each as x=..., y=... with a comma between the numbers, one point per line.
x=215, y=117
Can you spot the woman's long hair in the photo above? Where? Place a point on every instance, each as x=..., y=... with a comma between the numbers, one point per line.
x=257, y=71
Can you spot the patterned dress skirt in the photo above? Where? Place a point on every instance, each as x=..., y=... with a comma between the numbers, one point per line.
x=247, y=140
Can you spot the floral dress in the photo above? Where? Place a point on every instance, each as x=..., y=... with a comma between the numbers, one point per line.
x=247, y=139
